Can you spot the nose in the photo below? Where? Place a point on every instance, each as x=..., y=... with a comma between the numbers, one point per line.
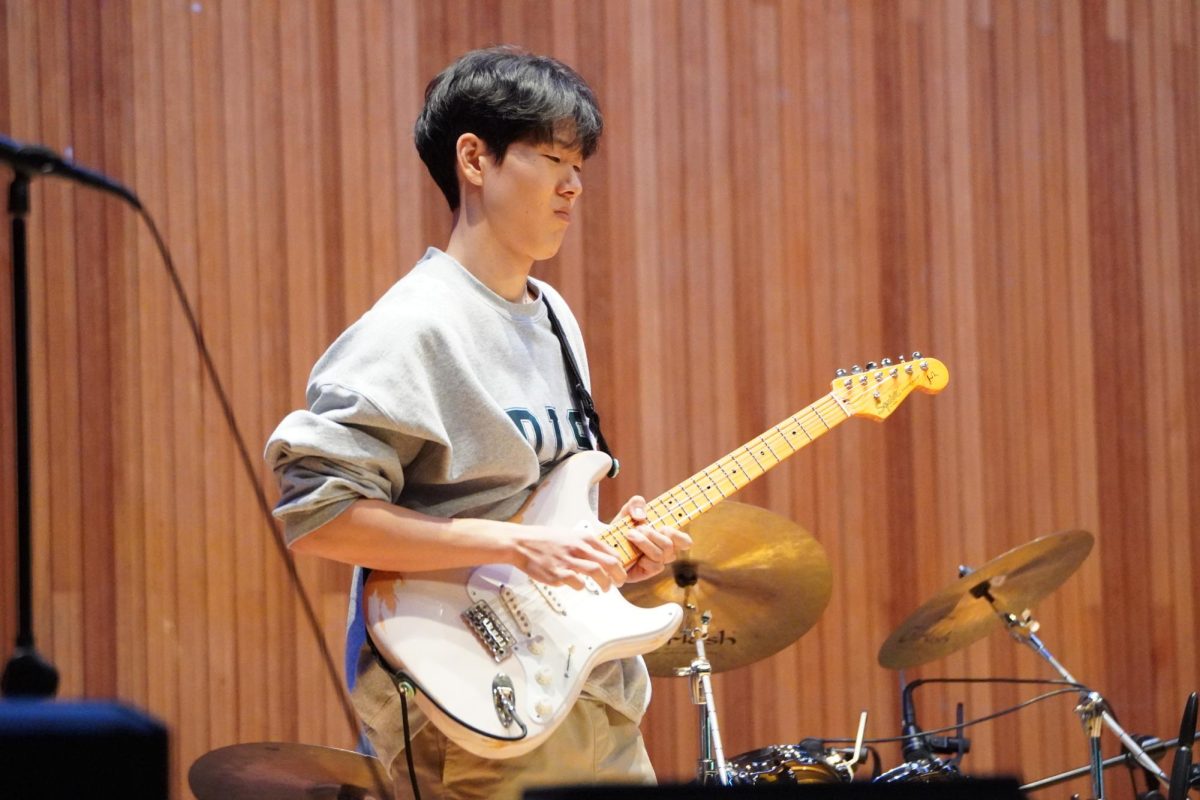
x=572, y=185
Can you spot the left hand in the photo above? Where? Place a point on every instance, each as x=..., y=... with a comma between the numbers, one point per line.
x=658, y=546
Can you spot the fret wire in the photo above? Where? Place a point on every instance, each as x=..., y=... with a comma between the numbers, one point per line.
x=701, y=499
x=727, y=477
x=681, y=505
x=681, y=489
x=733, y=457
x=691, y=496
x=785, y=438
x=688, y=496
x=692, y=483
x=754, y=458
x=618, y=540
x=766, y=441
x=716, y=484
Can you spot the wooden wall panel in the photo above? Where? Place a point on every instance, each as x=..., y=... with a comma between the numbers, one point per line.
x=783, y=188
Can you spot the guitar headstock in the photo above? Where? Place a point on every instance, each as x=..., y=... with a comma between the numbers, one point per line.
x=876, y=390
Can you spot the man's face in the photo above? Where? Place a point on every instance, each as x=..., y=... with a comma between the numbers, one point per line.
x=528, y=198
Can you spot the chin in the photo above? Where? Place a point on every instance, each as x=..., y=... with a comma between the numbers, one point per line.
x=547, y=253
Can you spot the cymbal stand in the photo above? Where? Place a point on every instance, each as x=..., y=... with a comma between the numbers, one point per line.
x=1092, y=708
x=711, y=767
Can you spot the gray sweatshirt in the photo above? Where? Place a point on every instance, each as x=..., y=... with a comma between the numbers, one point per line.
x=446, y=399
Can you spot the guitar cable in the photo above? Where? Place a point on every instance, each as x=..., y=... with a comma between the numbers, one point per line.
x=405, y=688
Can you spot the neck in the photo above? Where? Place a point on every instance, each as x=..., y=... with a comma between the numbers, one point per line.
x=483, y=256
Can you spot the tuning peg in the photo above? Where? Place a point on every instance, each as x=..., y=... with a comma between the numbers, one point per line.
x=916, y=354
x=856, y=369
x=901, y=357
x=841, y=373
x=887, y=362
x=872, y=365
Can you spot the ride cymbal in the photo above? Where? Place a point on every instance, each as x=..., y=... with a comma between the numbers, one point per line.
x=763, y=577
x=287, y=771
x=969, y=608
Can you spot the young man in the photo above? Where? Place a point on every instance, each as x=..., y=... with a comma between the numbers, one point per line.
x=434, y=416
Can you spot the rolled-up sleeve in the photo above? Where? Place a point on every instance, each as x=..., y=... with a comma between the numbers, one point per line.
x=342, y=449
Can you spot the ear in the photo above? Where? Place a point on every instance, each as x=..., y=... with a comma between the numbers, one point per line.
x=469, y=151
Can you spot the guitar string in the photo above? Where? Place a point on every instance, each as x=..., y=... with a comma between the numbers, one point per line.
x=691, y=491
x=686, y=492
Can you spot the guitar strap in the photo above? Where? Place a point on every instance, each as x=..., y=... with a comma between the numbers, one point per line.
x=583, y=398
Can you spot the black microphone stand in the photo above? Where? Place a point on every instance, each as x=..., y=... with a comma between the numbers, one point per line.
x=27, y=674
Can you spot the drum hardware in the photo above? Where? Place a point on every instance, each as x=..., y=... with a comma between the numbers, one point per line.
x=766, y=581
x=809, y=761
x=918, y=745
x=1150, y=746
x=764, y=578
x=922, y=770
x=711, y=767
x=920, y=764
x=1005, y=589
x=856, y=756
x=1093, y=709
x=286, y=771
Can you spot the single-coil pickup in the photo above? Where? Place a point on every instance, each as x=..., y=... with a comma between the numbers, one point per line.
x=551, y=598
x=513, y=603
x=493, y=633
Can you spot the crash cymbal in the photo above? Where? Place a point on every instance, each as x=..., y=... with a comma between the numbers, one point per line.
x=763, y=577
x=286, y=771
x=968, y=609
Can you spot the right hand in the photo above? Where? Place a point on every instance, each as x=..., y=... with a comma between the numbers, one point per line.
x=557, y=558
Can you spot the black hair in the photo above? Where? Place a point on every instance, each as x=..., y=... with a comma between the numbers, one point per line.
x=503, y=95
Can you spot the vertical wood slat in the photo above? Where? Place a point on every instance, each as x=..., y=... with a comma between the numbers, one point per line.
x=127, y=514
x=782, y=189
x=245, y=531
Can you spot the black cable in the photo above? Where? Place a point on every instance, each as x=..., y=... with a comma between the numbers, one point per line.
x=1068, y=688
x=1133, y=781
x=408, y=756
x=251, y=473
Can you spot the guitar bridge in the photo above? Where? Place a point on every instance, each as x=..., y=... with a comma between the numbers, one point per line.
x=491, y=632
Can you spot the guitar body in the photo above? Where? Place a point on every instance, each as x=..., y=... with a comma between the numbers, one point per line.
x=536, y=642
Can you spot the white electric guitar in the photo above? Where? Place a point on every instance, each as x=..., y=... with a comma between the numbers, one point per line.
x=498, y=659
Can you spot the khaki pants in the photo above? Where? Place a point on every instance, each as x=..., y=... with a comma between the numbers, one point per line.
x=594, y=744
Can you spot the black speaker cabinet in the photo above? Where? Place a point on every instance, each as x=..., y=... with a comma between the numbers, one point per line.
x=80, y=749
x=990, y=789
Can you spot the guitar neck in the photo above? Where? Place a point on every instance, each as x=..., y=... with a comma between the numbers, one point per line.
x=724, y=477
